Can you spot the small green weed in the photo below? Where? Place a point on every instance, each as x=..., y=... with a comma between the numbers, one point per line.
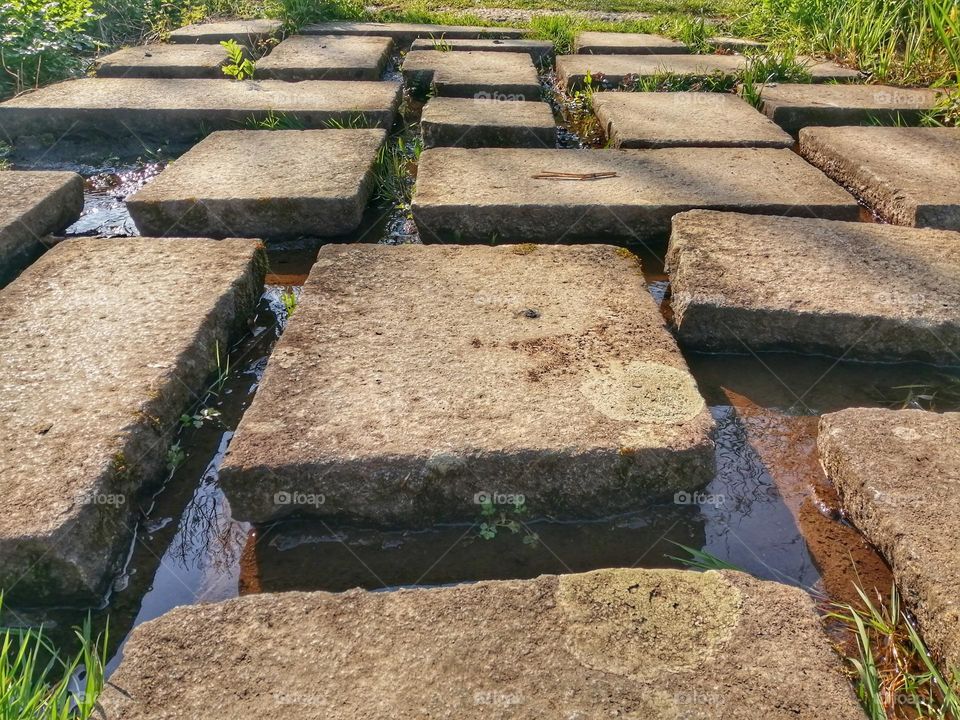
x=493, y=520
x=175, y=457
x=353, y=122
x=441, y=44
x=289, y=299
x=297, y=13
x=275, y=121
x=240, y=66
x=197, y=420
x=702, y=560
x=768, y=67
x=395, y=170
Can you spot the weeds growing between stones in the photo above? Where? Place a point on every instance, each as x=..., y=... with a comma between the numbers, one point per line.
x=240, y=66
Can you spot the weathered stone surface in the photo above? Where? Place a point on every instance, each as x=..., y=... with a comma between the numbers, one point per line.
x=485, y=75
x=827, y=71
x=735, y=44
x=910, y=176
x=462, y=122
x=536, y=370
x=34, y=204
x=164, y=61
x=795, y=106
x=898, y=474
x=405, y=33
x=541, y=51
x=326, y=57
x=853, y=290
x=589, y=645
x=684, y=119
x=614, y=43
x=246, y=32
x=106, y=342
x=497, y=194
x=186, y=109
x=615, y=69
x=263, y=183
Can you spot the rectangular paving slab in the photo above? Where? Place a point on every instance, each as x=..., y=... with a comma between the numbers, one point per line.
x=615, y=70
x=540, y=371
x=540, y=50
x=164, y=61
x=853, y=290
x=462, y=122
x=684, y=119
x=625, y=195
x=251, y=33
x=405, y=33
x=898, y=475
x=614, y=43
x=909, y=176
x=326, y=57
x=795, y=106
x=188, y=109
x=263, y=183
x=33, y=204
x=483, y=75
x=106, y=342
x=586, y=645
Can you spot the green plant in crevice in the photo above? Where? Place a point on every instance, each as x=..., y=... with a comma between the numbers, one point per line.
x=275, y=121
x=764, y=68
x=672, y=82
x=395, y=169
x=941, y=394
x=493, y=519
x=175, y=457
x=296, y=13
x=223, y=369
x=441, y=44
x=352, y=122
x=200, y=418
x=692, y=32
x=240, y=66
x=289, y=299
x=702, y=560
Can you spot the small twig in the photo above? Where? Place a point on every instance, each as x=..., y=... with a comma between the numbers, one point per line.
x=574, y=176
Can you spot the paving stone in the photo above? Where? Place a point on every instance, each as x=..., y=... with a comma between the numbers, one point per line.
x=827, y=71
x=164, y=61
x=588, y=645
x=795, y=106
x=910, y=176
x=735, y=44
x=106, y=342
x=263, y=183
x=854, y=290
x=463, y=122
x=405, y=33
x=326, y=57
x=251, y=33
x=496, y=194
x=34, y=204
x=187, y=109
x=545, y=371
x=484, y=75
x=615, y=69
x=614, y=43
x=898, y=475
x=540, y=50
x=684, y=119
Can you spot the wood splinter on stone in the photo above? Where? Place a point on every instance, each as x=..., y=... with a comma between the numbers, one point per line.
x=574, y=176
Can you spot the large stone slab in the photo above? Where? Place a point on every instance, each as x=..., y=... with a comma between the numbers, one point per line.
x=405, y=33
x=164, y=61
x=540, y=371
x=251, y=33
x=540, y=50
x=626, y=195
x=106, y=342
x=590, y=645
x=898, y=474
x=614, y=70
x=759, y=282
x=188, y=109
x=34, y=204
x=484, y=75
x=263, y=183
x=614, y=43
x=684, y=119
x=795, y=106
x=461, y=122
x=910, y=176
x=326, y=57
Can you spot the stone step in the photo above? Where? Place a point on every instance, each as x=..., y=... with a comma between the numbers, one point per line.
x=541, y=371
x=34, y=204
x=910, y=176
x=468, y=74
x=251, y=33
x=326, y=57
x=106, y=342
x=181, y=110
x=854, y=290
x=591, y=645
x=735, y=44
x=263, y=183
x=614, y=43
x=165, y=61
x=405, y=33
x=684, y=119
x=541, y=51
x=462, y=122
x=795, y=106
x=624, y=195
x=898, y=475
